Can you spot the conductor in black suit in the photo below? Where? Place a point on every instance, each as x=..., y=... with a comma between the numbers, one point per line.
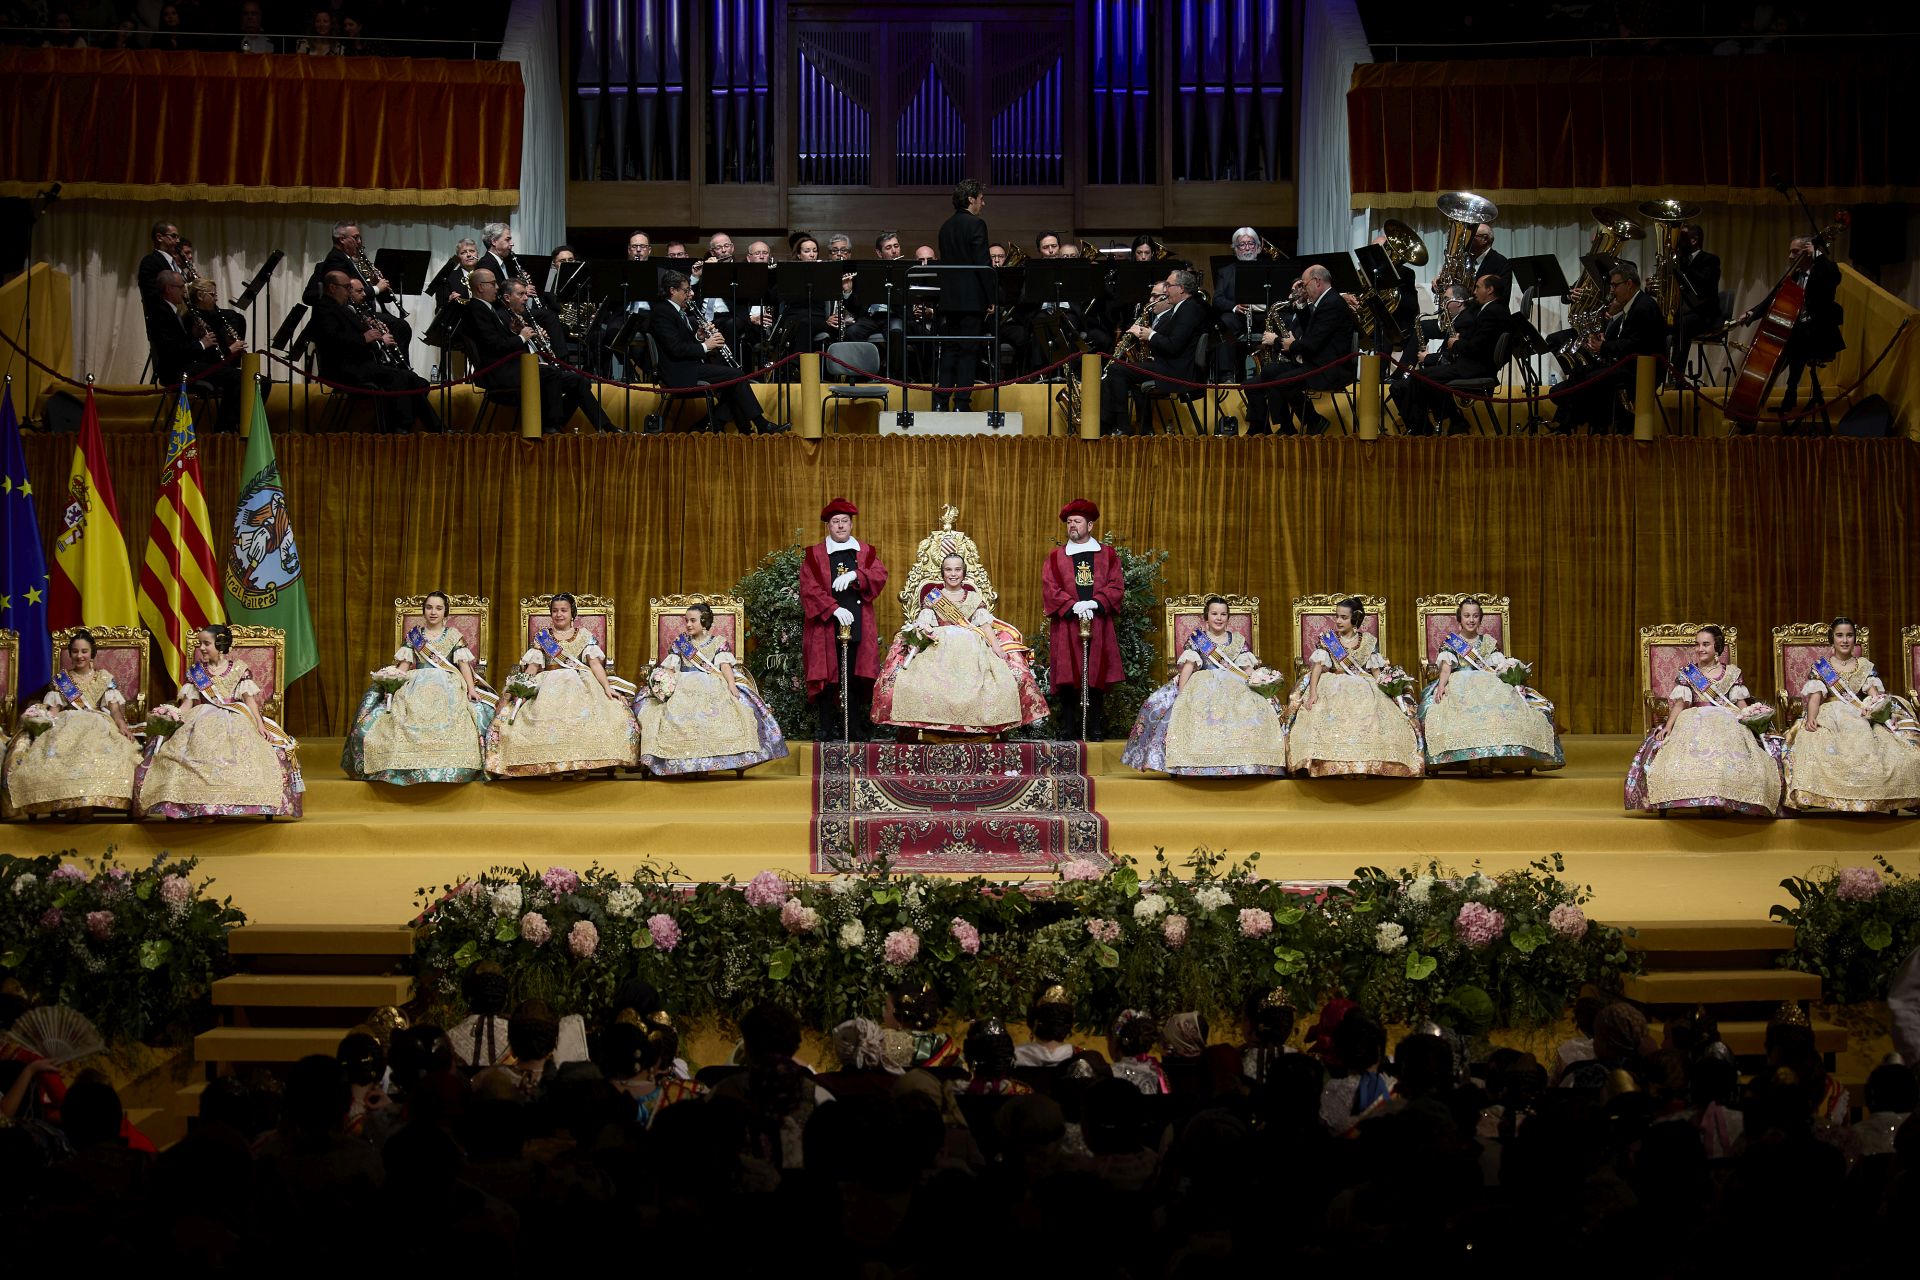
x=1323, y=334
x=964, y=295
x=1172, y=341
x=1636, y=329
x=687, y=359
x=346, y=343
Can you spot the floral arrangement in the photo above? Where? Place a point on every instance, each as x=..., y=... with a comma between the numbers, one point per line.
x=163, y=720
x=662, y=680
x=1118, y=938
x=1878, y=709
x=1853, y=927
x=915, y=639
x=522, y=686
x=1757, y=716
x=36, y=719
x=774, y=650
x=1268, y=683
x=134, y=949
x=390, y=679
x=1395, y=683
x=1516, y=673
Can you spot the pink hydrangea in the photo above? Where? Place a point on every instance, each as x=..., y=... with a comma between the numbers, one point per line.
x=1080, y=869
x=1104, y=930
x=51, y=919
x=1858, y=884
x=583, y=939
x=534, y=928
x=100, y=924
x=67, y=873
x=113, y=881
x=665, y=930
x=1568, y=921
x=1255, y=922
x=560, y=880
x=1478, y=924
x=798, y=917
x=901, y=946
x=967, y=936
x=1174, y=930
x=175, y=891
x=766, y=890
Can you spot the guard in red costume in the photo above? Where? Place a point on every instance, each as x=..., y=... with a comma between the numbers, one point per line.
x=840, y=579
x=1083, y=580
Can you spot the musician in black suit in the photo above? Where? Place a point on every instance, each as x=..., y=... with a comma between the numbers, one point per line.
x=1485, y=260
x=165, y=256
x=1816, y=337
x=348, y=346
x=1636, y=329
x=348, y=249
x=185, y=345
x=687, y=359
x=964, y=295
x=1323, y=332
x=1469, y=353
x=492, y=333
x=1171, y=339
x=1697, y=280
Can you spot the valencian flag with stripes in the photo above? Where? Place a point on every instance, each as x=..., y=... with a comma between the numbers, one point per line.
x=92, y=582
x=263, y=574
x=179, y=590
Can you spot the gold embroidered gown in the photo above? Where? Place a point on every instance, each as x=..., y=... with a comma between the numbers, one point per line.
x=959, y=683
x=705, y=725
x=428, y=730
x=1485, y=718
x=1217, y=726
x=570, y=726
x=1354, y=728
x=223, y=761
x=1709, y=760
x=81, y=762
x=1849, y=763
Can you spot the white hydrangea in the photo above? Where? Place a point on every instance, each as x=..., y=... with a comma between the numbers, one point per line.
x=1418, y=888
x=1389, y=938
x=1150, y=907
x=853, y=934
x=623, y=902
x=506, y=900
x=25, y=881
x=842, y=885
x=1213, y=897
x=1477, y=883
x=916, y=893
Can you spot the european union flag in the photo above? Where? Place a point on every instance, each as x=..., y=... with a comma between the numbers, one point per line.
x=24, y=588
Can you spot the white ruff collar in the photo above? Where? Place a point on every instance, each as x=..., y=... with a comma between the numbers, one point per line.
x=1081, y=548
x=851, y=544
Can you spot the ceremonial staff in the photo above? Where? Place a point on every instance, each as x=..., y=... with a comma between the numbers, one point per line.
x=1086, y=648
x=846, y=732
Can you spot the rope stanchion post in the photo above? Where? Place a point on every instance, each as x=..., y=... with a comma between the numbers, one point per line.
x=529, y=396
x=807, y=420
x=1090, y=396
x=1646, y=403
x=1368, y=401
x=249, y=378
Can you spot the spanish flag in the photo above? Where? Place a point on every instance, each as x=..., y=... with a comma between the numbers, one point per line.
x=179, y=590
x=92, y=582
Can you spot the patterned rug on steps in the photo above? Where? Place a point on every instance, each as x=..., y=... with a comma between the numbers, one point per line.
x=991, y=808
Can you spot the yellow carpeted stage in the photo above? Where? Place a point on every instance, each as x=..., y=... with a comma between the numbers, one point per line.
x=364, y=849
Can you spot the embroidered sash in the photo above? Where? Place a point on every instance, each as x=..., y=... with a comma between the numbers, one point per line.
x=1697, y=678
x=1343, y=660
x=1836, y=683
x=425, y=651
x=71, y=692
x=210, y=693
x=1211, y=653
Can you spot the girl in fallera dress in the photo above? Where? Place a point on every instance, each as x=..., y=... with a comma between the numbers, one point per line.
x=577, y=717
x=955, y=668
x=1344, y=721
x=1857, y=748
x=1473, y=716
x=86, y=755
x=700, y=711
x=1211, y=720
x=227, y=759
x=433, y=727
x=1703, y=755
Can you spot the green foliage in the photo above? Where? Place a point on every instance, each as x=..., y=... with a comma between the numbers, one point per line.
x=1144, y=572
x=1204, y=936
x=1853, y=927
x=772, y=646
x=136, y=950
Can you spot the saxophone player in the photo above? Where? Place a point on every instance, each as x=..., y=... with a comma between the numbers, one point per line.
x=692, y=351
x=1166, y=336
x=349, y=255
x=347, y=345
x=1468, y=353
x=1322, y=333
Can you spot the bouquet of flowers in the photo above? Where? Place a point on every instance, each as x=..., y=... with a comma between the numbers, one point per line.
x=1268, y=683
x=389, y=679
x=917, y=640
x=1516, y=673
x=36, y=720
x=163, y=720
x=1878, y=709
x=522, y=686
x=1757, y=716
x=1395, y=683
x=662, y=680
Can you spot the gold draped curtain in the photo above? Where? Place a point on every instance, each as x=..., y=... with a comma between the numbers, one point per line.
x=147, y=125
x=1591, y=537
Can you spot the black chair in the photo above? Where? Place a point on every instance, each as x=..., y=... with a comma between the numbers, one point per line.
x=1502, y=350
x=864, y=358
x=1720, y=340
x=658, y=422
x=1152, y=395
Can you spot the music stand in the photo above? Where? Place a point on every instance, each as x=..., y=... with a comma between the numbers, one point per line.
x=1263, y=284
x=1345, y=276
x=406, y=273
x=742, y=282
x=1059, y=282
x=283, y=336
x=440, y=277
x=1129, y=282
x=1377, y=267
x=1525, y=345
x=443, y=333
x=1539, y=277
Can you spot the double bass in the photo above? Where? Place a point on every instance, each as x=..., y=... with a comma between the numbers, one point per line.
x=1747, y=400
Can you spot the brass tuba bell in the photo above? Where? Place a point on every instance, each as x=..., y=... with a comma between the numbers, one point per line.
x=1404, y=246
x=1668, y=217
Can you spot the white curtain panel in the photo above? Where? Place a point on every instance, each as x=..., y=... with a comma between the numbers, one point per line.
x=1332, y=44
x=533, y=41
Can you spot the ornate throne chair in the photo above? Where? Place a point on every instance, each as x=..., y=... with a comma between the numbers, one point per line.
x=1910, y=655
x=123, y=651
x=1434, y=615
x=666, y=620
x=1187, y=614
x=9, y=677
x=264, y=650
x=472, y=616
x=591, y=612
x=1796, y=647
x=1665, y=649
x=1313, y=615
x=924, y=572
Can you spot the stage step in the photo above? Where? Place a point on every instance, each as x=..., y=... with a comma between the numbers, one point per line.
x=1748, y=1039
x=313, y=991
x=320, y=940
x=1721, y=986
x=1710, y=935
x=233, y=1045
x=186, y=1102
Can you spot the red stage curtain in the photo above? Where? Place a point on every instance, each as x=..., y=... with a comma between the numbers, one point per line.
x=232, y=126
x=1579, y=130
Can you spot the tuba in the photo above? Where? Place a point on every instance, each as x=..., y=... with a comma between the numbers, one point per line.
x=1464, y=212
x=1016, y=256
x=1588, y=312
x=1668, y=216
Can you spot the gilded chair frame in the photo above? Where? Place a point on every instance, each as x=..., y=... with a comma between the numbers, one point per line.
x=134, y=639
x=458, y=606
x=273, y=702
x=1788, y=700
x=585, y=604
x=925, y=568
x=9, y=678
x=1669, y=635
x=734, y=607
x=1910, y=641
x=1448, y=603
x=1195, y=606
x=1324, y=605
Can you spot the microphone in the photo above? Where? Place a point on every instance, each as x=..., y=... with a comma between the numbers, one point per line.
x=1777, y=182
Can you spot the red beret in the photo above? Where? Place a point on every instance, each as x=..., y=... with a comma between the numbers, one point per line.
x=1080, y=507
x=838, y=507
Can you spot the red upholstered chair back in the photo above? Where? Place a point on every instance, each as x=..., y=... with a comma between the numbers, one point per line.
x=264, y=650
x=1437, y=625
x=121, y=651
x=667, y=619
x=1186, y=624
x=1796, y=647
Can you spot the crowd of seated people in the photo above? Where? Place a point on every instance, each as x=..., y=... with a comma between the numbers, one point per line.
x=1162, y=1153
